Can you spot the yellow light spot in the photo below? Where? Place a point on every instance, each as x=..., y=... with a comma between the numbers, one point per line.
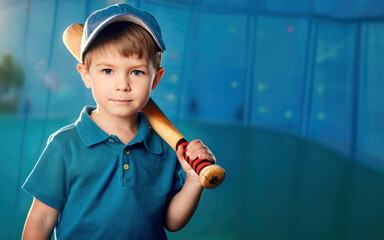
x=174, y=78
x=288, y=114
x=320, y=89
x=263, y=110
x=171, y=97
x=232, y=29
x=321, y=116
x=261, y=87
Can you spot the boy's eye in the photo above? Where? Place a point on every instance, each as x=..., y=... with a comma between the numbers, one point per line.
x=107, y=71
x=137, y=72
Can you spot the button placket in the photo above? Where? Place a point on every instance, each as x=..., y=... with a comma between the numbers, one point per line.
x=126, y=154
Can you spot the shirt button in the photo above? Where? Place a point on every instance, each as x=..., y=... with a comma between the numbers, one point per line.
x=127, y=151
x=111, y=140
x=126, y=166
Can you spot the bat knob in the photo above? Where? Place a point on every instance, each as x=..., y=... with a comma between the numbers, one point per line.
x=212, y=176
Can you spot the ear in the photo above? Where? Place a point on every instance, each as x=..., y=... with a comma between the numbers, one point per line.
x=84, y=74
x=158, y=77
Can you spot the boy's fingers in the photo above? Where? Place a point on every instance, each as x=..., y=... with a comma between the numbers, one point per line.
x=196, y=149
x=202, y=153
x=207, y=156
x=195, y=144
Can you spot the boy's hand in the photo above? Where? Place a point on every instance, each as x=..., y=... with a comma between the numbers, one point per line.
x=195, y=149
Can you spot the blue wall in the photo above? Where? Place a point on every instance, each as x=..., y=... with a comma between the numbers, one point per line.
x=309, y=70
x=308, y=67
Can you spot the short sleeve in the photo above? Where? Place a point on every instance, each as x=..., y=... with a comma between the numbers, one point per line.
x=178, y=180
x=47, y=181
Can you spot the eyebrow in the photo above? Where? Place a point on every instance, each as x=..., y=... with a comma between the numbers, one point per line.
x=140, y=66
x=112, y=65
x=104, y=64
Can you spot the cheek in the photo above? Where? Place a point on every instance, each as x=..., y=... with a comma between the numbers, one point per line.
x=143, y=86
x=143, y=90
x=99, y=91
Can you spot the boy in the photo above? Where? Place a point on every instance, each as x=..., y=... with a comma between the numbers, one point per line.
x=108, y=175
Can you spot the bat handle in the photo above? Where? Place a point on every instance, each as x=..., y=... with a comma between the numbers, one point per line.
x=211, y=175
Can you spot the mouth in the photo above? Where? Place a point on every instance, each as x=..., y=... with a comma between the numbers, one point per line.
x=121, y=101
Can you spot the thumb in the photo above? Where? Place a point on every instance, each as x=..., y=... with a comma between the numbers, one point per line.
x=180, y=153
x=181, y=157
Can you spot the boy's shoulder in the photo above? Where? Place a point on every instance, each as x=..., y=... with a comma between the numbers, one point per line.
x=73, y=132
x=66, y=133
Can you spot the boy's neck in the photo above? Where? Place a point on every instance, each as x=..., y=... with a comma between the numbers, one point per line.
x=124, y=128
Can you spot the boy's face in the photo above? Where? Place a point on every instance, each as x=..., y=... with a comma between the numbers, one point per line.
x=120, y=85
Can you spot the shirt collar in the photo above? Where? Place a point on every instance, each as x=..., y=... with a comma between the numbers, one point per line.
x=91, y=134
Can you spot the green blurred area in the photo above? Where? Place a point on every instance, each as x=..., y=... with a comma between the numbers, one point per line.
x=11, y=81
x=278, y=186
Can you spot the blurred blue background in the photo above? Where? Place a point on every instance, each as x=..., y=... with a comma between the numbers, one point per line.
x=287, y=93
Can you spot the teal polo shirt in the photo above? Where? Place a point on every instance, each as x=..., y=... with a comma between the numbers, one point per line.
x=103, y=188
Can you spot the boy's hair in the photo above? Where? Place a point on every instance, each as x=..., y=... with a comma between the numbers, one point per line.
x=129, y=39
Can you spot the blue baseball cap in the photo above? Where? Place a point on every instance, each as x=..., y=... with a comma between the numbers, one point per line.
x=99, y=19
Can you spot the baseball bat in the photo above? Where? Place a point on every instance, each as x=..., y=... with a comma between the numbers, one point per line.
x=211, y=175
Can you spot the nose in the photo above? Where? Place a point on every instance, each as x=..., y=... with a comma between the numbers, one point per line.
x=122, y=84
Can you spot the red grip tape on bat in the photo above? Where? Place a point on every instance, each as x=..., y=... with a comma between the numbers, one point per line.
x=196, y=164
